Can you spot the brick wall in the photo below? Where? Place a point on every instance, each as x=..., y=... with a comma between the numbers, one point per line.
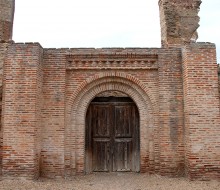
x=21, y=111
x=171, y=113
x=46, y=93
x=6, y=26
x=46, y=136
x=3, y=49
x=201, y=109
x=6, y=19
x=85, y=82
x=66, y=80
x=52, y=154
x=179, y=21
x=219, y=80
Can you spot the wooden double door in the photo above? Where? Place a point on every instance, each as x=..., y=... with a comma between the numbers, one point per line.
x=112, y=135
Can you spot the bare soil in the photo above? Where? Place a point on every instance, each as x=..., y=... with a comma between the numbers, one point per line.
x=112, y=181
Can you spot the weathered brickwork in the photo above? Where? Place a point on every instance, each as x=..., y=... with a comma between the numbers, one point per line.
x=6, y=19
x=6, y=26
x=79, y=76
x=179, y=21
x=219, y=82
x=201, y=109
x=21, y=111
x=46, y=93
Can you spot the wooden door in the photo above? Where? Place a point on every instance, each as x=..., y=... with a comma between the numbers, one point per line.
x=112, y=135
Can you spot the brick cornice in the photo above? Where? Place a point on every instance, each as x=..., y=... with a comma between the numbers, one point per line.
x=128, y=61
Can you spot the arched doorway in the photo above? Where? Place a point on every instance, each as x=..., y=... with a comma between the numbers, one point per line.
x=112, y=135
x=76, y=154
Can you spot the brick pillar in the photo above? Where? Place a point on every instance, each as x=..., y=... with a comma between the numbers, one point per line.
x=6, y=27
x=179, y=22
x=3, y=49
x=6, y=19
x=201, y=109
x=53, y=113
x=219, y=80
x=171, y=113
x=21, y=111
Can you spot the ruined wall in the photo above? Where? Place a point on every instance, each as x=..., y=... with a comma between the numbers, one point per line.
x=53, y=114
x=219, y=80
x=201, y=109
x=65, y=78
x=6, y=19
x=179, y=21
x=21, y=111
x=3, y=49
x=46, y=93
x=6, y=27
x=46, y=136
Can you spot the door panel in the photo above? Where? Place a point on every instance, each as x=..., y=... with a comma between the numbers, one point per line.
x=101, y=120
x=101, y=155
x=122, y=157
x=123, y=121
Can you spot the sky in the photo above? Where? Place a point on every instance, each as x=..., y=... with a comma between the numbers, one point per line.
x=102, y=23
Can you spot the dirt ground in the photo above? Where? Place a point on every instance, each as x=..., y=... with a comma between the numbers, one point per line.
x=113, y=181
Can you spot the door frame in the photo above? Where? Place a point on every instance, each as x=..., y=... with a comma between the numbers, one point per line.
x=112, y=101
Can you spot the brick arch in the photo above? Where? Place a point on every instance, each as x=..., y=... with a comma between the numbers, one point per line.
x=76, y=121
x=115, y=75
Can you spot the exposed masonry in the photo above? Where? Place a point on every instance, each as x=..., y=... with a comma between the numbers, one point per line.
x=179, y=21
x=46, y=93
x=219, y=80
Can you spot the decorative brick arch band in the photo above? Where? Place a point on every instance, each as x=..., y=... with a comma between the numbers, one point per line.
x=118, y=75
x=76, y=121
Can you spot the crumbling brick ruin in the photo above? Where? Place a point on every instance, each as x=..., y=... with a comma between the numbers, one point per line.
x=81, y=110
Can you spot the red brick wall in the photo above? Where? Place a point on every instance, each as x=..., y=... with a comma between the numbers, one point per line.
x=53, y=139
x=6, y=19
x=201, y=109
x=219, y=80
x=47, y=134
x=21, y=110
x=6, y=27
x=3, y=49
x=47, y=91
x=82, y=78
x=179, y=21
x=170, y=94
x=65, y=81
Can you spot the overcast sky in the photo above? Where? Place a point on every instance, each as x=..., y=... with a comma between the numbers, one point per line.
x=102, y=23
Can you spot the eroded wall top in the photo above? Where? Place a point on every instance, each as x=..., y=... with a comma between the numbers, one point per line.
x=6, y=19
x=179, y=21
